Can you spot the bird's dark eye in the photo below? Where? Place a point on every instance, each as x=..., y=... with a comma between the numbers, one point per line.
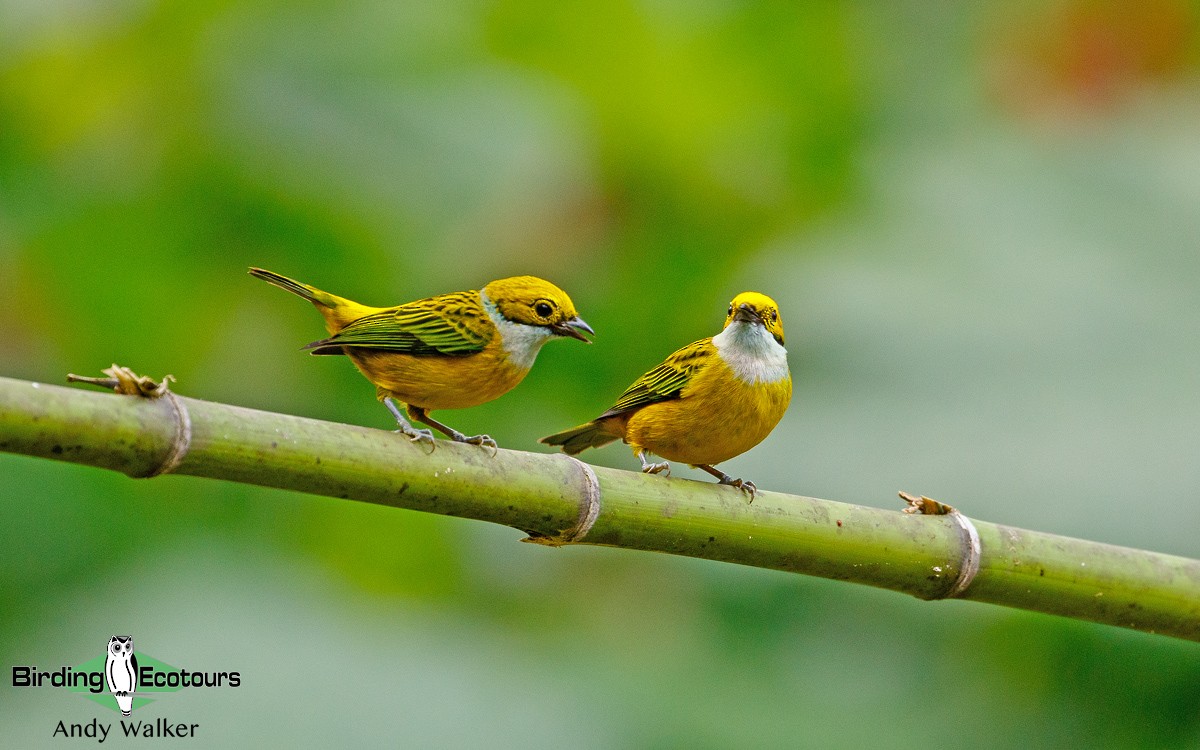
x=543, y=309
x=774, y=316
x=730, y=310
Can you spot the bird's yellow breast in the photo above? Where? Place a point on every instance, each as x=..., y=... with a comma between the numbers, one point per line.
x=718, y=416
x=441, y=381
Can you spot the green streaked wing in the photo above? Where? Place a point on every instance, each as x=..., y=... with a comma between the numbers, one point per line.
x=667, y=380
x=448, y=324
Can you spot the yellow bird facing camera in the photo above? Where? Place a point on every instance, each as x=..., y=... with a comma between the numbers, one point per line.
x=447, y=352
x=706, y=403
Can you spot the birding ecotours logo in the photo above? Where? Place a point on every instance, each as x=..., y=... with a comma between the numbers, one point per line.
x=122, y=679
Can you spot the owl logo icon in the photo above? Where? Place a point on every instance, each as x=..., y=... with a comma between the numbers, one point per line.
x=121, y=669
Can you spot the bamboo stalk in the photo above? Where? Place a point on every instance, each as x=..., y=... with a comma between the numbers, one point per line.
x=558, y=500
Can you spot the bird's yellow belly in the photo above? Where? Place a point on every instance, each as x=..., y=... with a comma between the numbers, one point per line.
x=718, y=417
x=438, y=381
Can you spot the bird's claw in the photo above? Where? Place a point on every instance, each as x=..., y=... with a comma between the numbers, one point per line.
x=745, y=485
x=416, y=435
x=484, y=441
x=662, y=467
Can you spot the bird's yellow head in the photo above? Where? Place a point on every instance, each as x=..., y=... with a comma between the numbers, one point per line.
x=536, y=302
x=753, y=307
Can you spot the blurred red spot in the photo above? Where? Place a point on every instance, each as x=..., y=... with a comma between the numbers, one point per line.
x=1089, y=54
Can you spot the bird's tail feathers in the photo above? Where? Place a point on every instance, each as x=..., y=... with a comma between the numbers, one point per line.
x=310, y=293
x=578, y=439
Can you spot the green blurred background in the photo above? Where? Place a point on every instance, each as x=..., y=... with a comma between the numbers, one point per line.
x=982, y=227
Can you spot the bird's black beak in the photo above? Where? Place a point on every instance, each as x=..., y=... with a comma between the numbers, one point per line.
x=747, y=314
x=572, y=328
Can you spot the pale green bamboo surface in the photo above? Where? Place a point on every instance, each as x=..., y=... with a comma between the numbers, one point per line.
x=546, y=495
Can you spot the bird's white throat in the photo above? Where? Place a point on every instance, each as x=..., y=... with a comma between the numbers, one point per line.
x=752, y=352
x=521, y=342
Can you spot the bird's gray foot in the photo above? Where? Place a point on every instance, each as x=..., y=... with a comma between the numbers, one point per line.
x=422, y=415
x=745, y=485
x=662, y=467
x=418, y=435
x=485, y=441
x=414, y=434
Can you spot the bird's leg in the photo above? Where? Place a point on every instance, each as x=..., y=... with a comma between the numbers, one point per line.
x=745, y=485
x=662, y=467
x=406, y=428
x=421, y=415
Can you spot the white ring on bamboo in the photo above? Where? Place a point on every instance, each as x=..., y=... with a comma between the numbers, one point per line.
x=183, y=437
x=972, y=552
x=589, y=509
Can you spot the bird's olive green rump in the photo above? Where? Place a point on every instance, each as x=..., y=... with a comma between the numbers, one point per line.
x=451, y=351
x=707, y=402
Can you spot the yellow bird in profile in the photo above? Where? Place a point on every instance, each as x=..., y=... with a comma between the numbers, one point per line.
x=706, y=403
x=446, y=352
